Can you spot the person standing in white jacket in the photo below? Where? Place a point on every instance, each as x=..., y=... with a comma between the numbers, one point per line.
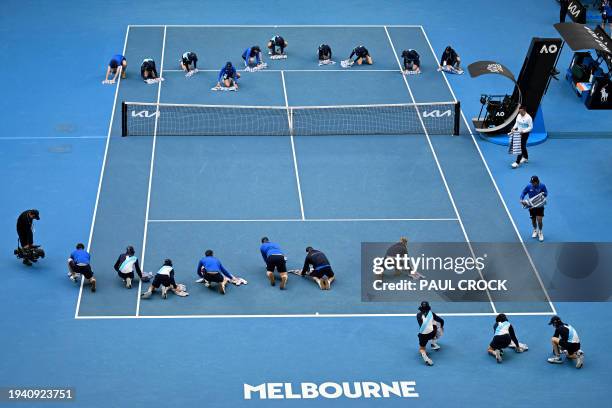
x=523, y=125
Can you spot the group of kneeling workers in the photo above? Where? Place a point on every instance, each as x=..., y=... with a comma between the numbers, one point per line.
x=565, y=340
x=210, y=270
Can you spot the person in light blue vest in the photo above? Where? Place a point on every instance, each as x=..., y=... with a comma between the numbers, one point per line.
x=504, y=336
x=565, y=341
x=164, y=278
x=430, y=329
x=125, y=266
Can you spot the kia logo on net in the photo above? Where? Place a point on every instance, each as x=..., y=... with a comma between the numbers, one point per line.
x=144, y=114
x=437, y=114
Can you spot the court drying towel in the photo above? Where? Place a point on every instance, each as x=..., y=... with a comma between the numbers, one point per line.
x=514, y=145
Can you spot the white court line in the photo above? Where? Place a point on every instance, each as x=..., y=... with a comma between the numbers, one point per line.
x=299, y=70
x=146, y=223
x=435, y=156
x=535, y=269
x=95, y=211
x=308, y=315
x=52, y=137
x=312, y=220
x=295, y=165
x=271, y=26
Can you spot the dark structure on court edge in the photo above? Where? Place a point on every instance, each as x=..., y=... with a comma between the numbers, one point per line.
x=589, y=74
x=531, y=85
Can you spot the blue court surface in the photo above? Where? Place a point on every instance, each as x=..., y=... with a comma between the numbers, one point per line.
x=62, y=152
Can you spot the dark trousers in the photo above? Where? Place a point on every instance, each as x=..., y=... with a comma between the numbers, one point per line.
x=524, y=137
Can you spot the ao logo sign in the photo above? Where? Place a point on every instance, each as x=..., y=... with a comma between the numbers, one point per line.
x=550, y=49
x=144, y=114
x=437, y=114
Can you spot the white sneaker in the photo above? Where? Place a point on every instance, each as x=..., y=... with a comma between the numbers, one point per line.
x=540, y=236
x=146, y=295
x=498, y=356
x=579, y=359
x=128, y=283
x=164, y=292
x=435, y=346
x=428, y=361
x=555, y=360
x=534, y=234
x=514, y=165
x=524, y=160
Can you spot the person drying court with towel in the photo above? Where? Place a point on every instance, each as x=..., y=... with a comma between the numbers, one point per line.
x=324, y=53
x=117, y=66
x=79, y=264
x=275, y=259
x=430, y=329
x=503, y=337
x=188, y=59
x=362, y=55
x=277, y=45
x=164, y=278
x=125, y=266
x=321, y=271
x=210, y=270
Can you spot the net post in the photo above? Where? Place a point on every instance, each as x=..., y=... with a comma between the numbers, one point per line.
x=457, y=118
x=124, y=127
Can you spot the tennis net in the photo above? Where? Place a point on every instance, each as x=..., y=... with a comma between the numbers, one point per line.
x=149, y=119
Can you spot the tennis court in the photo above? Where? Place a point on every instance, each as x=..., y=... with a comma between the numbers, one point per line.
x=175, y=196
x=307, y=155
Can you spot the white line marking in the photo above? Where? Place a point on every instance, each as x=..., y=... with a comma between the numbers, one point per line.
x=307, y=315
x=52, y=137
x=312, y=220
x=435, y=156
x=535, y=269
x=95, y=211
x=300, y=70
x=269, y=26
x=295, y=165
x=283, y=107
x=146, y=223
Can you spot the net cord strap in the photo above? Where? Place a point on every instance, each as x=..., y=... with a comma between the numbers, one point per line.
x=191, y=119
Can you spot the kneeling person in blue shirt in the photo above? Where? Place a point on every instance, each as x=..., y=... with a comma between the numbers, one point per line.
x=275, y=259
x=211, y=271
x=78, y=264
x=228, y=76
x=321, y=272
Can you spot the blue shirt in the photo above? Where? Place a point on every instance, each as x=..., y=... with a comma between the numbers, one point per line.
x=533, y=191
x=269, y=248
x=118, y=59
x=212, y=264
x=249, y=54
x=231, y=73
x=80, y=256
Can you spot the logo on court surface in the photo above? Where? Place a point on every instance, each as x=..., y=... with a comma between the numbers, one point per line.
x=495, y=68
x=437, y=114
x=331, y=390
x=144, y=114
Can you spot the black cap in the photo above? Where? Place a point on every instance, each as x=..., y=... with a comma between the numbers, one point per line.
x=424, y=306
x=555, y=320
x=264, y=240
x=535, y=179
x=130, y=250
x=35, y=214
x=167, y=262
